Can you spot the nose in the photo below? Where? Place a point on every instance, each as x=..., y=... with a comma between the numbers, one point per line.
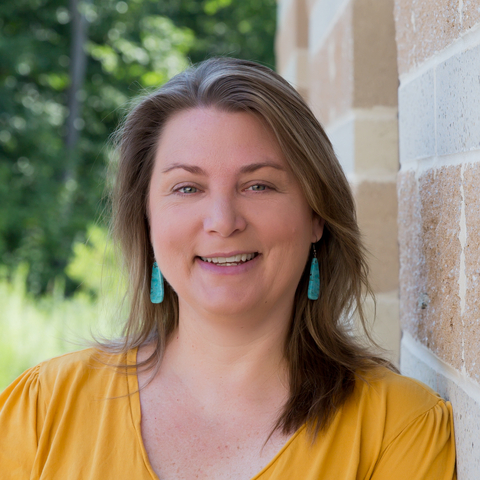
x=224, y=216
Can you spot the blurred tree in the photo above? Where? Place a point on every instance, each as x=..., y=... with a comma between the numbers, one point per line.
x=237, y=28
x=66, y=72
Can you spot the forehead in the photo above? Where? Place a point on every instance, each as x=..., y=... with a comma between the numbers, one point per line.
x=217, y=139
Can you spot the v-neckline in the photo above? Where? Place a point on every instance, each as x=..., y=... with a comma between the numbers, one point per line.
x=136, y=416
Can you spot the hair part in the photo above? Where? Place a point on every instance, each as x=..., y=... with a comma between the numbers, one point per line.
x=323, y=356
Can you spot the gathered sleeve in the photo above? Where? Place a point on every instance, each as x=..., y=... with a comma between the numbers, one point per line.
x=424, y=449
x=21, y=417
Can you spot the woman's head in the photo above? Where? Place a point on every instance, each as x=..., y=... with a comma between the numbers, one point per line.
x=220, y=189
x=227, y=85
x=231, y=86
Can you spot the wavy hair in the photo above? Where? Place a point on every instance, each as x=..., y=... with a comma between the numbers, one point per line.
x=323, y=355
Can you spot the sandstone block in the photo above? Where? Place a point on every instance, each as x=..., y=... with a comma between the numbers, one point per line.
x=458, y=103
x=417, y=118
x=429, y=228
x=377, y=213
x=471, y=315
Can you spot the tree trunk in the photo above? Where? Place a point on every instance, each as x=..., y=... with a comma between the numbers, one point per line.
x=78, y=63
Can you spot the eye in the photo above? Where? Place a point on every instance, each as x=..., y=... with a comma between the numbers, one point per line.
x=258, y=187
x=186, y=190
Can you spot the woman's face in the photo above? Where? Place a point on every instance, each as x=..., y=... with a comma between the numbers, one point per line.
x=230, y=226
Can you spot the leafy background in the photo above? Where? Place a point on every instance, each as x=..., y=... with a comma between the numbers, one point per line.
x=67, y=73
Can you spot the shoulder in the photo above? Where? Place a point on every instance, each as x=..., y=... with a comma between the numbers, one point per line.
x=62, y=401
x=393, y=402
x=70, y=377
x=381, y=384
x=79, y=362
x=88, y=369
x=71, y=382
x=68, y=363
x=390, y=427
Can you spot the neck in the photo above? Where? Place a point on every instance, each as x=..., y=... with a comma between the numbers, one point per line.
x=228, y=358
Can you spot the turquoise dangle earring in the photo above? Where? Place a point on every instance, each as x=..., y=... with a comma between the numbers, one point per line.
x=314, y=282
x=156, y=289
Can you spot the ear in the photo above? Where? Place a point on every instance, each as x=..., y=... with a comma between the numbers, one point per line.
x=317, y=227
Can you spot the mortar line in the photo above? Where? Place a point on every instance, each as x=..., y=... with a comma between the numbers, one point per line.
x=462, y=278
x=462, y=380
x=466, y=41
x=451, y=160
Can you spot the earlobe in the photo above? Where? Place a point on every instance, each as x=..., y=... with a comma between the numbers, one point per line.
x=317, y=228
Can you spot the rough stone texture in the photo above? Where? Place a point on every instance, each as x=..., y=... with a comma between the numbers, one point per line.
x=441, y=206
x=377, y=213
x=429, y=227
x=458, y=103
x=471, y=316
x=416, y=106
x=439, y=112
x=466, y=412
x=375, y=53
x=331, y=74
x=423, y=28
x=412, y=261
x=470, y=15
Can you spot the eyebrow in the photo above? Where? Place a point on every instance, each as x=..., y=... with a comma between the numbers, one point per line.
x=252, y=167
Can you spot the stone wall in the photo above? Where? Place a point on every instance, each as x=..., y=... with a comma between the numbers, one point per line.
x=439, y=207
x=341, y=56
x=361, y=64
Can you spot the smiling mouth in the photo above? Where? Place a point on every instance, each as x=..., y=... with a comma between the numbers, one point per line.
x=230, y=261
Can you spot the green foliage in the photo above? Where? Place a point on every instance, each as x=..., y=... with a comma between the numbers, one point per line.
x=49, y=194
x=95, y=267
x=153, y=55
x=238, y=28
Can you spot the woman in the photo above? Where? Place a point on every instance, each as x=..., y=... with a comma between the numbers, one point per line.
x=245, y=264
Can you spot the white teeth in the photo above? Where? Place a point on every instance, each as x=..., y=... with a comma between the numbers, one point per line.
x=229, y=261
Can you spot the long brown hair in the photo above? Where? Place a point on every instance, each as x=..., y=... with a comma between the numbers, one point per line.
x=324, y=357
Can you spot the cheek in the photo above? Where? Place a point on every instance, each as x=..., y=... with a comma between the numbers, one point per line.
x=290, y=244
x=292, y=223
x=166, y=230
x=173, y=233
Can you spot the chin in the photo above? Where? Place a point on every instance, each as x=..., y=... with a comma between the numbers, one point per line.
x=227, y=304
x=226, y=309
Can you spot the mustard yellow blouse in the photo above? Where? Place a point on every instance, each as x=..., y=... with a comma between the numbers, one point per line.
x=74, y=418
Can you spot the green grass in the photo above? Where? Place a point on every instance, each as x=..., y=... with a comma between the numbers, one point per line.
x=33, y=329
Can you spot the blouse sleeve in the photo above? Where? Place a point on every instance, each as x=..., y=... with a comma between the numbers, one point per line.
x=424, y=449
x=20, y=421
